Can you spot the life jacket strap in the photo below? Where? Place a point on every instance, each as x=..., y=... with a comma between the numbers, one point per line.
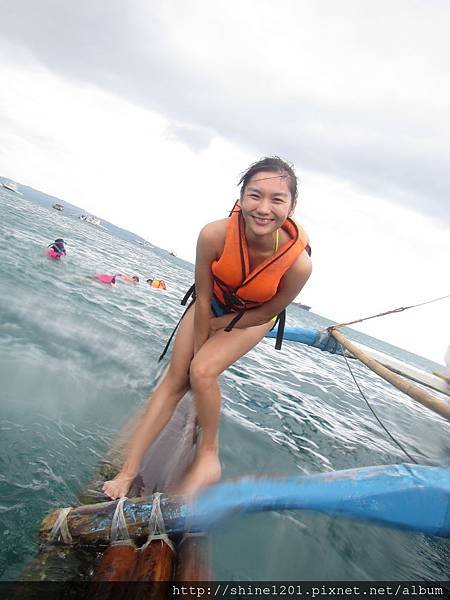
x=230, y=300
x=185, y=299
x=233, y=322
x=234, y=206
x=281, y=320
x=190, y=293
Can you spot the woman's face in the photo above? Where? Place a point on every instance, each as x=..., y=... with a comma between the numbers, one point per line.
x=266, y=202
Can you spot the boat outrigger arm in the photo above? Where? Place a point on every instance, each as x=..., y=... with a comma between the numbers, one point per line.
x=409, y=497
x=311, y=337
x=332, y=340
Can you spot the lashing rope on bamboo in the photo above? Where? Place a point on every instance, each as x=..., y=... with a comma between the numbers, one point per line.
x=60, y=528
x=156, y=526
x=119, y=530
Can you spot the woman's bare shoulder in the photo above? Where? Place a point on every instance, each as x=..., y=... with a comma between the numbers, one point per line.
x=303, y=264
x=212, y=236
x=214, y=232
x=301, y=269
x=215, y=227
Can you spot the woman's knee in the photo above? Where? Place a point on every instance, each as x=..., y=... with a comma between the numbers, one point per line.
x=201, y=372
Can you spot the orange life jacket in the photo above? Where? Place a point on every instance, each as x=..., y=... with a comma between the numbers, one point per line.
x=238, y=288
x=159, y=283
x=235, y=287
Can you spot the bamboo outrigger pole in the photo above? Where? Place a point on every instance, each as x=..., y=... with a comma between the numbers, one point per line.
x=413, y=391
x=390, y=494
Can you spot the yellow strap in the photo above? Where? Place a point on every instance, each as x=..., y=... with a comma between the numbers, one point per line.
x=277, y=240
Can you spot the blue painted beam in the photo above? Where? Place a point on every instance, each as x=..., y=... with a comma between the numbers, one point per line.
x=410, y=497
x=311, y=337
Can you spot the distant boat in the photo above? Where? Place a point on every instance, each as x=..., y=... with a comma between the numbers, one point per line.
x=11, y=186
x=302, y=306
x=90, y=219
x=58, y=206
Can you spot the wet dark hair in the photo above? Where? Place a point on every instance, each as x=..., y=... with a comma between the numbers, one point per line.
x=271, y=164
x=136, y=278
x=59, y=241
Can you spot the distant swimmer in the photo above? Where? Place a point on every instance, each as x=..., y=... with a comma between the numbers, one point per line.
x=56, y=250
x=157, y=283
x=104, y=278
x=112, y=279
x=128, y=278
x=101, y=277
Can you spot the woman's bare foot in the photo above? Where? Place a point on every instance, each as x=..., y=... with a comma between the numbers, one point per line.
x=119, y=486
x=204, y=471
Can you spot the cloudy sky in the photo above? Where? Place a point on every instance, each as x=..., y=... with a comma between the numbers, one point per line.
x=145, y=112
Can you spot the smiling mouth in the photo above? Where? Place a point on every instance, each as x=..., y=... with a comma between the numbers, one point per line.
x=262, y=219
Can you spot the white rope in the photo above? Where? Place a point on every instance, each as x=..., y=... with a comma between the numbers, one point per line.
x=156, y=527
x=60, y=528
x=119, y=529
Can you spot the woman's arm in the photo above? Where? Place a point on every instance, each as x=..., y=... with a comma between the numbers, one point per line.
x=290, y=286
x=208, y=245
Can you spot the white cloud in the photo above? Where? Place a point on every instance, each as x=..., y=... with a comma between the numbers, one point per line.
x=357, y=91
x=121, y=162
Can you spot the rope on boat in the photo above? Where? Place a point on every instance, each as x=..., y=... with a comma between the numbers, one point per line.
x=325, y=341
x=119, y=529
x=376, y=416
x=156, y=526
x=413, y=391
x=61, y=528
x=389, y=312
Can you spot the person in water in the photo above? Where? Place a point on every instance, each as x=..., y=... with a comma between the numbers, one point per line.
x=157, y=283
x=112, y=279
x=104, y=278
x=128, y=278
x=248, y=268
x=57, y=249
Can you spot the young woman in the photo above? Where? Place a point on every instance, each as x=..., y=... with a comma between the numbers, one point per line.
x=248, y=268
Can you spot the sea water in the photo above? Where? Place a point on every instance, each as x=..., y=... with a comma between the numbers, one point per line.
x=77, y=358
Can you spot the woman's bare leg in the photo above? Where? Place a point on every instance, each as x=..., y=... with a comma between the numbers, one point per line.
x=216, y=355
x=160, y=408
